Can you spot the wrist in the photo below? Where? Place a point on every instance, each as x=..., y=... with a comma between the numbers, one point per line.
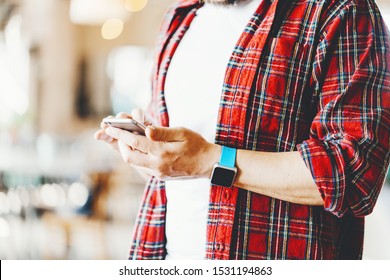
x=225, y=170
x=210, y=157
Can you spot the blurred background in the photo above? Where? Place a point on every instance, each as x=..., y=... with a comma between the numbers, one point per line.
x=64, y=65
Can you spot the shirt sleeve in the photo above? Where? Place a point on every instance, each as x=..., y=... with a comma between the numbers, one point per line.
x=348, y=147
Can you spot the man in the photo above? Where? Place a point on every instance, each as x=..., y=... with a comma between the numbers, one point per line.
x=291, y=100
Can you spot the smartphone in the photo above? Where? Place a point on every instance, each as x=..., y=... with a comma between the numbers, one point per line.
x=126, y=124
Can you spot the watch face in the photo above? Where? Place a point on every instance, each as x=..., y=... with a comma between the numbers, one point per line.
x=223, y=177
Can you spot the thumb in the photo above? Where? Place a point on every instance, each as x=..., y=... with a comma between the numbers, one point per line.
x=165, y=134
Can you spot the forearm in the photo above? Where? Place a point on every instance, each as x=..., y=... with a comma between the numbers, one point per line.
x=279, y=175
x=169, y=153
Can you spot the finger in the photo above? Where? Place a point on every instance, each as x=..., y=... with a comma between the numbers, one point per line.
x=149, y=119
x=125, y=151
x=138, y=115
x=134, y=157
x=136, y=142
x=123, y=115
x=114, y=145
x=141, y=116
x=101, y=135
x=103, y=124
x=166, y=134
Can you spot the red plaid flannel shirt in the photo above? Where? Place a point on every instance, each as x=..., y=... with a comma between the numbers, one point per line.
x=317, y=83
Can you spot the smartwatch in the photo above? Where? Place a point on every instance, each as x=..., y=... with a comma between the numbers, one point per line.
x=224, y=171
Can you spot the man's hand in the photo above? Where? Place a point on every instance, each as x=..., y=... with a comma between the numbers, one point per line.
x=167, y=153
x=136, y=114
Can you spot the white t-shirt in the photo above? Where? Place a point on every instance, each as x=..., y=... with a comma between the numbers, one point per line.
x=192, y=92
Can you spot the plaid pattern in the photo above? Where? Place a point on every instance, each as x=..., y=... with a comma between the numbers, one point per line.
x=317, y=83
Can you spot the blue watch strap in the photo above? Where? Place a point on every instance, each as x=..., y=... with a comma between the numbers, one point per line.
x=228, y=156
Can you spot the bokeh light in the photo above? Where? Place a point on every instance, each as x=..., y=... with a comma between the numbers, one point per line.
x=112, y=29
